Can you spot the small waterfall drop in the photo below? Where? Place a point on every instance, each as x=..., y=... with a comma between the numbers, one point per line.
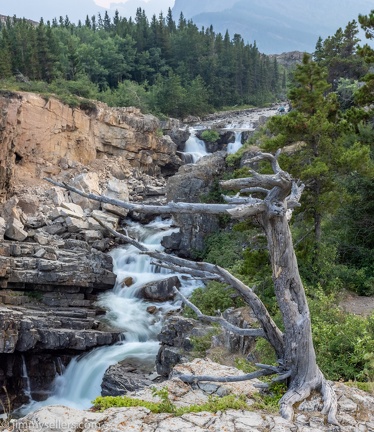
x=26, y=380
x=195, y=147
x=235, y=146
x=81, y=381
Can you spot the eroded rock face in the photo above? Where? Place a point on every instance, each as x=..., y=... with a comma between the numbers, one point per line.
x=46, y=136
x=190, y=184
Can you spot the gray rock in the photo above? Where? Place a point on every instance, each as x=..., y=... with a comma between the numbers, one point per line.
x=175, y=341
x=2, y=228
x=75, y=208
x=89, y=183
x=15, y=230
x=127, y=376
x=116, y=189
x=160, y=291
x=189, y=185
x=76, y=225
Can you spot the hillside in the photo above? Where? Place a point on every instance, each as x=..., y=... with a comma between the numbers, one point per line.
x=275, y=26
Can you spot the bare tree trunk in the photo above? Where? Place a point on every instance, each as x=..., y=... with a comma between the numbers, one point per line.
x=299, y=358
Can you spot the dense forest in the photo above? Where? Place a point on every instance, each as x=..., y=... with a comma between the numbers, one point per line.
x=159, y=65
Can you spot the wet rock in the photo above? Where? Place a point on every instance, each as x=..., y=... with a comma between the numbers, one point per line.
x=126, y=376
x=160, y=291
x=152, y=310
x=127, y=281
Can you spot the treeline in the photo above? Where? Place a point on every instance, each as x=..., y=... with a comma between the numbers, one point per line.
x=160, y=65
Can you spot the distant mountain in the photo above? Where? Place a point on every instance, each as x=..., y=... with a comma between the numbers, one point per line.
x=276, y=26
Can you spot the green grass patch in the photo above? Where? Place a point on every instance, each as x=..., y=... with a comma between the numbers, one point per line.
x=164, y=405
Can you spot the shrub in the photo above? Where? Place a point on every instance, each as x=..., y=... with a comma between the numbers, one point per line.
x=210, y=135
x=213, y=298
x=214, y=403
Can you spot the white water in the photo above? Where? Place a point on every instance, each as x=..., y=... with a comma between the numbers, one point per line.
x=195, y=147
x=235, y=146
x=26, y=379
x=81, y=381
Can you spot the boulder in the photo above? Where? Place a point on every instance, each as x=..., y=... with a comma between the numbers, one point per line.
x=190, y=184
x=57, y=195
x=176, y=345
x=106, y=218
x=89, y=183
x=127, y=376
x=15, y=230
x=160, y=291
x=116, y=189
x=76, y=225
x=75, y=208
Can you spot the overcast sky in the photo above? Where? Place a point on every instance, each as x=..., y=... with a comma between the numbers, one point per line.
x=78, y=9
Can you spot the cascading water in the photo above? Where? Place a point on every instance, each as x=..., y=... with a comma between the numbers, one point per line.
x=235, y=146
x=26, y=379
x=195, y=147
x=81, y=381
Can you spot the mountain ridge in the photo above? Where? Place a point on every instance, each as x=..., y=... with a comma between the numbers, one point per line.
x=276, y=26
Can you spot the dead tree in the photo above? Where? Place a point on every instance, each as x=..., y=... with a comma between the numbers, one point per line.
x=270, y=198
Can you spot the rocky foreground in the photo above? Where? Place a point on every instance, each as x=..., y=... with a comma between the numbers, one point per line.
x=356, y=410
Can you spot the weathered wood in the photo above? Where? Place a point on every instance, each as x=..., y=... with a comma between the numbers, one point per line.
x=169, y=208
x=220, y=320
x=198, y=378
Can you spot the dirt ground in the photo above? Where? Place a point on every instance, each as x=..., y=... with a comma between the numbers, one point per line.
x=356, y=304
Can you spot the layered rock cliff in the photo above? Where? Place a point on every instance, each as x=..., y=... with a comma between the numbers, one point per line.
x=40, y=134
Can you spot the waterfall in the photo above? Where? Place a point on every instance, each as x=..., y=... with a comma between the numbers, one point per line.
x=26, y=379
x=81, y=381
x=235, y=146
x=195, y=147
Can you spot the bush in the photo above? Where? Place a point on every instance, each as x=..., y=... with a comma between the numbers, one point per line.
x=344, y=342
x=213, y=298
x=210, y=135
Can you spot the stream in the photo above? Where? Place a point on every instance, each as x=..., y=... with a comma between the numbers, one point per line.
x=81, y=381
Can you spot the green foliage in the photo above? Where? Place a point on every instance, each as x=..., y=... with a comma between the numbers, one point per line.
x=213, y=298
x=244, y=365
x=210, y=135
x=269, y=399
x=214, y=404
x=344, y=342
x=202, y=343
